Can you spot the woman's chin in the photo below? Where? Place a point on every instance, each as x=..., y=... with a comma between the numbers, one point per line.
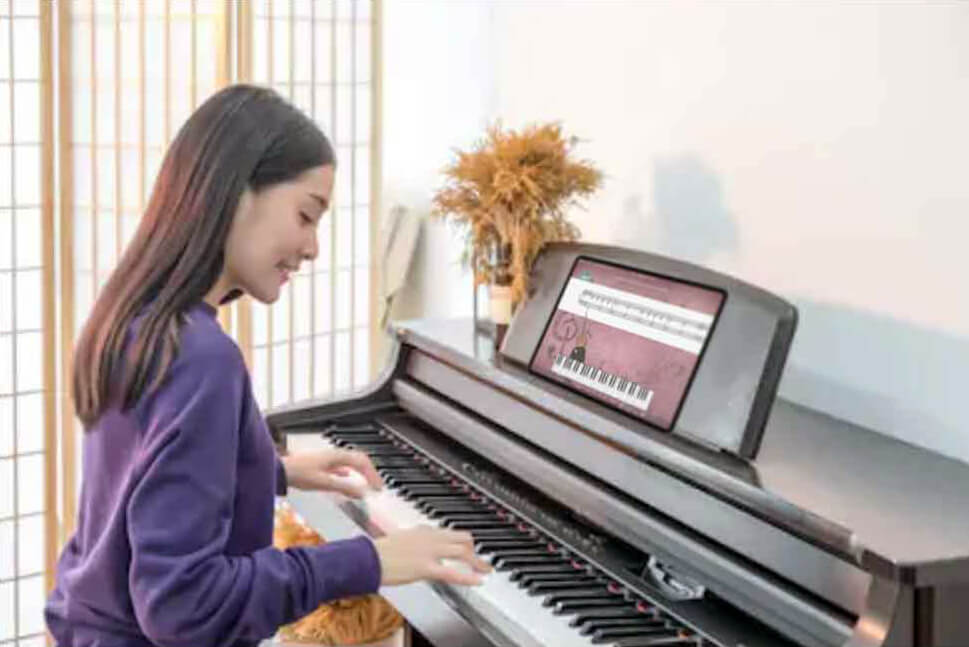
x=266, y=296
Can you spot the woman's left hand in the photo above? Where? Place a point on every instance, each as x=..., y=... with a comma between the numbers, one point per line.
x=330, y=470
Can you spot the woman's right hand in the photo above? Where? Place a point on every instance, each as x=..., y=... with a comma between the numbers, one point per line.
x=416, y=554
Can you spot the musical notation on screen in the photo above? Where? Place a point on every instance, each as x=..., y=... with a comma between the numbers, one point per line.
x=652, y=319
x=615, y=386
x=647, y=316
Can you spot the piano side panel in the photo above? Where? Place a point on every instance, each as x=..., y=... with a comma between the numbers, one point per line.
x=946, y=621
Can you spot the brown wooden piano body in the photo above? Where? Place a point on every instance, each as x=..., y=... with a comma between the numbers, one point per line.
x=751, y=522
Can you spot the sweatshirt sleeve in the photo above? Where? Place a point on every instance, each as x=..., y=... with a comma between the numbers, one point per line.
x=185, y=589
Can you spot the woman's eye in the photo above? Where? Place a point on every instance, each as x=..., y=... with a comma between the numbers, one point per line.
x=306, y=218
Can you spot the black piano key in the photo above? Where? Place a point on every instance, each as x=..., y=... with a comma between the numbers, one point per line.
x=358, y=429
x=519, y=573
x=399, y=481
x=393, y=461
x=529, y=579
x=459, y=505
x=450, y=510
x=481, y=525
x=428, y=497
x=347, y=442
x=616, y=612
x=517, y=563
x=385, y=452
x=418, y=490
x=365, y=444
x=500, y=533
x=537, y=558
x=362, y=437
x=591, y=625
x=654, y=641
x=459, y=521
x=552, y=598
x=388, y=452
x=407, y=495
x=486, y=546
x=484, y=515
x=544, y=587
x=578, y=605
x=438, y=513
x=610, y=634
x=409, y=471
x=519, y=552
x=417, y=476
x=437, y=503
x=473, y=509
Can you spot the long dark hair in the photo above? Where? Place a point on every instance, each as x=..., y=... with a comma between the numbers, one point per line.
x=243, y=136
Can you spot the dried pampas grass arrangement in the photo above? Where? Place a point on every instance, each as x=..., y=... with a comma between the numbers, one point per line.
x=510, y=192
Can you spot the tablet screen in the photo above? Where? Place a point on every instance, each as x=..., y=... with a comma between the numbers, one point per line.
x=628, y=338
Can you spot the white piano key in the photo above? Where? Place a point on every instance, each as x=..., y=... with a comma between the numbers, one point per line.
x=504, y=604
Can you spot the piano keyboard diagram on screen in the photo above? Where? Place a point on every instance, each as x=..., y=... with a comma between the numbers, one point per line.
x=615, y=386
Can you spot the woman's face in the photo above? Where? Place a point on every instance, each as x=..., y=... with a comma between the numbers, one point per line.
x=273, y=231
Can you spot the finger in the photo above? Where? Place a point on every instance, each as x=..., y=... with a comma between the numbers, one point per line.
x=341, y=471
x=465, y=554
x=361, y=463
x=452, y=536
x=454, y=551
x=454, y=576
x=343, y=486
x=478, y=564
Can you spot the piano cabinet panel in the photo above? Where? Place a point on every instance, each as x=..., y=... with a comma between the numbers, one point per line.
x=824, y=574
x=942, y=616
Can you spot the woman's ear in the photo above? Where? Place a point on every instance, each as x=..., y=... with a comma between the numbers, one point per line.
x=244, y=207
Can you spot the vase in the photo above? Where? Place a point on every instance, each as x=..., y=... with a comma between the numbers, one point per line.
x=501, y=306
x=500, y=310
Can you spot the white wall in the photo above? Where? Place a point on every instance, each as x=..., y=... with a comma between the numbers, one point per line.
x=815, y=149
x=439, y=95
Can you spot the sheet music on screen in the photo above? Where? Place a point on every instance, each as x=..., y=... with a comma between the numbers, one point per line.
x=628, y=338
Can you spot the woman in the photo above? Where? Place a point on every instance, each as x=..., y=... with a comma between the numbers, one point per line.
x=173, y=544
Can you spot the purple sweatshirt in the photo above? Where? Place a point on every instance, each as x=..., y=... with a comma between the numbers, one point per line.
x=174, y=533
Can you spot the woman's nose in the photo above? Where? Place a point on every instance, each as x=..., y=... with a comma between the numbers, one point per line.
x=312, y=248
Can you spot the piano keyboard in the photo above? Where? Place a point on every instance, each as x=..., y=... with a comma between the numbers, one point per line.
x=610, y=384
x=538, y=589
